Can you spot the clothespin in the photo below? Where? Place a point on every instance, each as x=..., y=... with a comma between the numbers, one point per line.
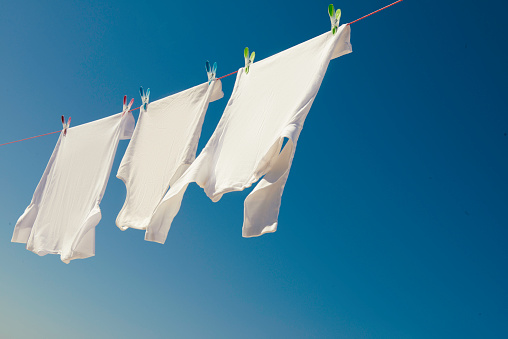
x=248, y=61
x=211, y=72
x=65, y=125
x=334, y=18
x=126, y=107
x=145, y=96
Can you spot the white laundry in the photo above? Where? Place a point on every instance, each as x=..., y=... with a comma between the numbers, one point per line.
x=64, y=211
x=163, y=145
x=267, y=105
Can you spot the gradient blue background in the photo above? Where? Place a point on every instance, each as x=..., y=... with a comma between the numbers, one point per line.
x=394, y=220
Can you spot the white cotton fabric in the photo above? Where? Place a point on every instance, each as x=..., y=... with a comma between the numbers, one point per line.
x=64, y=211
x=267, y=105
x=163, y=146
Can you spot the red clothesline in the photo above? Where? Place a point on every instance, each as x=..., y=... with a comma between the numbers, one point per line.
x=379, y=10
x=222, y=77
x=37, y=136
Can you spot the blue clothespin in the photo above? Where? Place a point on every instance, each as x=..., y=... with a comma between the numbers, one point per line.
x=144, y=97
x=65, y=125
x=126, y=107
x=211, y=72
x=248, y=61
x=334, y=18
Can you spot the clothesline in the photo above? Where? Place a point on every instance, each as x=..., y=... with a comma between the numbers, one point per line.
x=222, y=77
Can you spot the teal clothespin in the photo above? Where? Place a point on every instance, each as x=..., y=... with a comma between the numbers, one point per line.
x=248, y=61
x=211, y=71
x=144, y=97
x=334, y=18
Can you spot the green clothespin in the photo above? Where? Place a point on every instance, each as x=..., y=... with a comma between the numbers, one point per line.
x=248, y=61
x=334, y=18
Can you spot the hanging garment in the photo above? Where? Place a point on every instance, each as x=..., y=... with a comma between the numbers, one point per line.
x=163, y=146
x=267, y=105
x=64, y=211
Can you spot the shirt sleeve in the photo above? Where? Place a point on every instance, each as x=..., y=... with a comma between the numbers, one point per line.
x=128, y=127
x=342, y=44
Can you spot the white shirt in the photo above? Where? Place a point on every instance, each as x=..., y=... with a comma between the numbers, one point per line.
x=64, y=210
x=163, y=146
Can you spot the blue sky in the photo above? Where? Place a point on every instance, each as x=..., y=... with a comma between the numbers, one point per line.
x=394, y=220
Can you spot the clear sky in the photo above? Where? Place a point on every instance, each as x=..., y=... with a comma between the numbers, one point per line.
x=394, y=220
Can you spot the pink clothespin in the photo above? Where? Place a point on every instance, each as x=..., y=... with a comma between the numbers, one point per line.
x=126, y=107
x=65, y=125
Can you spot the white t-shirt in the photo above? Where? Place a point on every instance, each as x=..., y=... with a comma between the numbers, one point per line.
x=64, y=211
x=163, y=146
x=267, y=105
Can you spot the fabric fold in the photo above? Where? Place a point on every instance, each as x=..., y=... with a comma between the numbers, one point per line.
x=64, y=210
x=163, y=146
x=266, y=106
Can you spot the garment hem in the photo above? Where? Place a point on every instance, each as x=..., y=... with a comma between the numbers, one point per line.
x=74, y=254
x=267, y=229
